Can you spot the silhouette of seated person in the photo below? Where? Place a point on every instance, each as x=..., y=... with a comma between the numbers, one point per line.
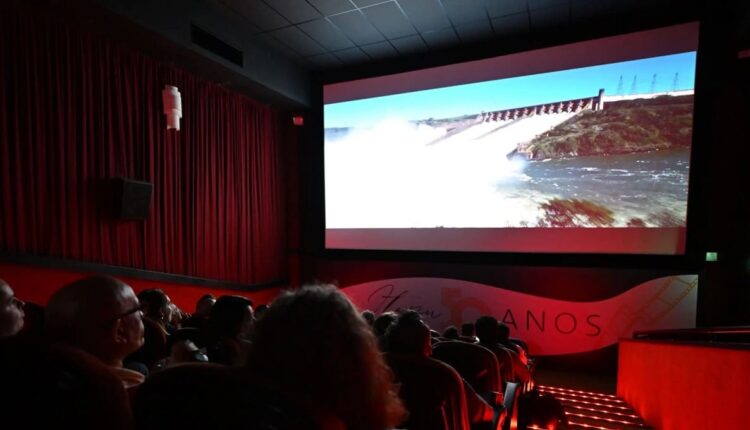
x=380, y=326
x=228, y=330
x=520, y=360
x=314, y=343
x=468, y=334
x=157, y=307
x=102, y=316
x=451, y=333
x=11, y=311
x=202, y=309
x=487, y=332
x=56, y=386
x=409, y=335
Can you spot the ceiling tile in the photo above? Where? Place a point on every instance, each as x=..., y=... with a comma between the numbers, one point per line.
x=258, y=13
x=356, y=27
x=553, y=17
x=365, y=3
x=326, y=34
x=409, y=44
x=511, y=24
x=545, y=4
x=388, y=18
x=294, y=38
x=331, y=7
x=323, y=61
x=465, y=11
x=584, y=9
x=474, y=31
x=294, y=10
x=441, y=38
x=426, y=15
x=379, y=50
x=277, y=46
x=497, y=8
x=351, y=56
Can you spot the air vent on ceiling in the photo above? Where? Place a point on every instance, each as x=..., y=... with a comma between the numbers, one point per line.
x=212, y=43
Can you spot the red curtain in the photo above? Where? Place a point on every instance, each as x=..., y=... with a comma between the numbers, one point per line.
x=77, y=109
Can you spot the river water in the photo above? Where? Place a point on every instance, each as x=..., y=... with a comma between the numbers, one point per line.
x=631, y=185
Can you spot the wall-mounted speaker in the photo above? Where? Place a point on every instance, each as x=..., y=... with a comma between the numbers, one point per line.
x=132, y=199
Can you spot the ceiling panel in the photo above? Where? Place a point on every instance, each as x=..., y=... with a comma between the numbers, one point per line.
x=465, y=11
x=326, y=34
x=258, y=13
x=324, y=61
x=585, y=9
x=388, y=18
x=497, y=8
x=365, y=3
x=441, y=38
x=351, y=56
x=409, y=44
x=294, y=38
x=552, y=17
x=474, y=31
x=426, y=15
x=294, y=10
x=511, y=24
x=357, y=27
x=332, y=33
x=331, y=7
x=380, y=50
x=545, y=4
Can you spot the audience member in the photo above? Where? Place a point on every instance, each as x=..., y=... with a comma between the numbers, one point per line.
x=410, y=335
x=380, y=326
x=467, y=333
x=486, y=329
x=228, y=329
x=260, y=311
x=11, y=311
x=100, y=315
x=202, y=309
x=314, y=342
x=156, y=306
x=451, y=333
x=369, y=316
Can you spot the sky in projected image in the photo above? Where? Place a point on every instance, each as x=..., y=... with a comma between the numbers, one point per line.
x=517, y=92
x=429, y=159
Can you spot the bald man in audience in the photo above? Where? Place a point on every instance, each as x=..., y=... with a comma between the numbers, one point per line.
x=11, y=311
x=102, y=316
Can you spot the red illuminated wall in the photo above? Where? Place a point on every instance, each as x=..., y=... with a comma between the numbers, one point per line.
x=35, y=284
x=685, y=386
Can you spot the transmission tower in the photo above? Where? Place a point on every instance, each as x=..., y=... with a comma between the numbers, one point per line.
x=653, y=84
x=675, y=81
x=634, y=85
x=619, y=87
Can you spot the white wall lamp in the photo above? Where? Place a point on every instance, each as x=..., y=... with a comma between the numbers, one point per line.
x=172, y=106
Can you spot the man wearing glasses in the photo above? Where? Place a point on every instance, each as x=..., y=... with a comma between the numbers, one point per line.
x=102, y=316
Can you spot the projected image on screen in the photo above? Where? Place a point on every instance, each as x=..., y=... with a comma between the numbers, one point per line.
x=598, y=147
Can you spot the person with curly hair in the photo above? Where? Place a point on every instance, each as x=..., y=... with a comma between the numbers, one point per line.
x=314, y=342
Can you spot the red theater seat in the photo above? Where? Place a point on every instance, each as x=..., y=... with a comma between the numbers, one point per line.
x=432, y=391
x=474, y=363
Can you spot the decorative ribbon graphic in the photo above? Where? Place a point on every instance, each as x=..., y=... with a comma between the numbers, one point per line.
x=549, y=326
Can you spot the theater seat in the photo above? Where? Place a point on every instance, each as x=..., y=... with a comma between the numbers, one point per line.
x=474, y=363
x=432, y=391
x=56, y=386
x=212, y=396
